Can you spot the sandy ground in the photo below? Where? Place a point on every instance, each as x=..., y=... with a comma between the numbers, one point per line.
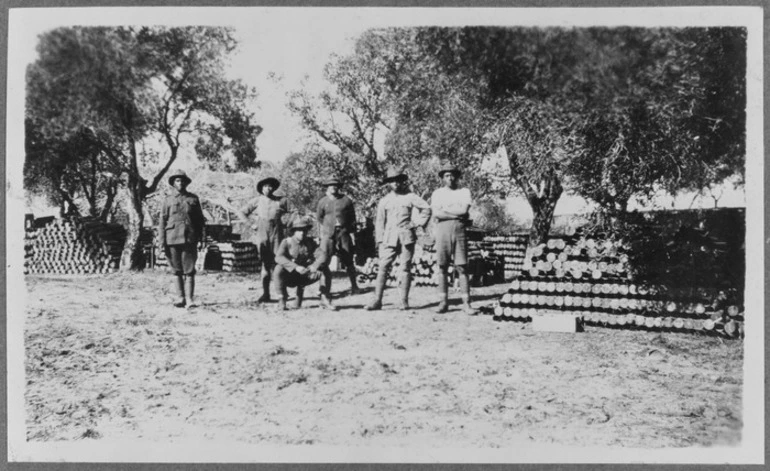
x=108, y=357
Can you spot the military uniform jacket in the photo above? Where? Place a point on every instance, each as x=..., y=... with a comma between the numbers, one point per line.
x=181, y=219
x=336, y=212
x=267, y=213
x=394, y=218
x=292, y=253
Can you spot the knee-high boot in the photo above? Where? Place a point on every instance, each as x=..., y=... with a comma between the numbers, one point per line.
x=265, y=287
x=179, y=287
x=300, y=297
x=190, y=288
x=379, y=288
x=465, y=291
x=406, y=284
x=443, y=289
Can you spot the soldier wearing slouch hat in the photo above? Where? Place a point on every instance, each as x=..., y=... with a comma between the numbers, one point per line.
x=337, y=225
x=395, y=231
x=180, y=230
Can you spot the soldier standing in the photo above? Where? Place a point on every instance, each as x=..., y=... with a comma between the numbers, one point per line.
x=268, y=210
x=336, y=223
x=450, y=206
x=300, y=262
x=180, y=230
x=394, y=230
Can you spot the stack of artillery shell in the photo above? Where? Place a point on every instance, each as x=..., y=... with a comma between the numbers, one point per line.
x=482, y=268
x=234, y=256
x=224, y=256
x=423, y=269
x=577, y=258
x=74, y=246
x=511, y=250
x=598, y=291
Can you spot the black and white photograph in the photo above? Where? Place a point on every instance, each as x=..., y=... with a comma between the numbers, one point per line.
x=385, y=235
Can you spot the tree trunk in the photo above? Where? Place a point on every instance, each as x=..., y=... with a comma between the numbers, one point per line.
x=542, y=199
x=542, y=209
x=132, y=257
x=112, y=190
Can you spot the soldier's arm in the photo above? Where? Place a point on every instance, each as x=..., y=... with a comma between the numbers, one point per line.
x=162, y=220
x=283, y=257
x=319, y=256
x=351, y=213
x=199, y=220
x=244, y=212
x=379, y=222
x=320, y=212
x=424, y=211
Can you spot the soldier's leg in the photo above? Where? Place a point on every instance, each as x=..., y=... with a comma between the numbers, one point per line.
x=465, y=290
x=386, y=255
x=443, y=288
x=189, y=257
x=325, y=288
x=444, y=245
x=407, y=252
x=347, y=255
x=461, y=265
x=300, y=297
x=267, y=260
x=175, y=263
x=281, y=282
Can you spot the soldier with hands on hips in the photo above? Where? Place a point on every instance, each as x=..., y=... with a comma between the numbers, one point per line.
x=267, y=211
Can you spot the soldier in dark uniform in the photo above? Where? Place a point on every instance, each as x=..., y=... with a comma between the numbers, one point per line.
x=180, y=230
x=336, y=224
x=268, y=210
x=301, y=262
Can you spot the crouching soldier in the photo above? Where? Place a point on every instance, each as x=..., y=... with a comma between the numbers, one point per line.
x=180, y=230
x=300, y=262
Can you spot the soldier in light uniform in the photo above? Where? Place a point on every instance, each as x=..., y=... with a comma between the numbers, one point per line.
x=450, y=206
x=180, y=229
x=301, y=262
x=336, y=224
x=268, y=210
x=395, y=231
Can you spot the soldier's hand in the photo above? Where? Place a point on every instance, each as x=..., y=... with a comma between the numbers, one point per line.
x=301, y=270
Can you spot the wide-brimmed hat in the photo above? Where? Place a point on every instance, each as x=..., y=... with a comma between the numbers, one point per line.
x=332, y=181
x=178, y=174
x=395, y=174
x=301, y=223
x=449, y=168
x=271, y=180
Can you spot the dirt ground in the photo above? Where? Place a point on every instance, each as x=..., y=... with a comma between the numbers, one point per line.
x=108, y=357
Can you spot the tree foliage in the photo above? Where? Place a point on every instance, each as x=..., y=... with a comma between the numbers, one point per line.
x=137, y=96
